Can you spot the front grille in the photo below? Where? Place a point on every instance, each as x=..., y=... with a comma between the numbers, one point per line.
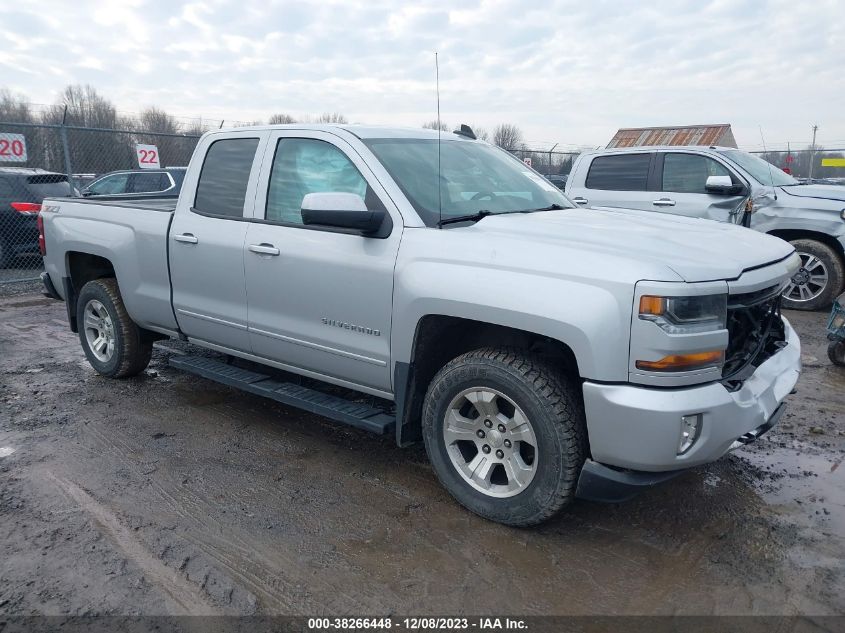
x=755, y=334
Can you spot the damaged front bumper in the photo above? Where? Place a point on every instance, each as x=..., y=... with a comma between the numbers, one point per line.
x=637, y=429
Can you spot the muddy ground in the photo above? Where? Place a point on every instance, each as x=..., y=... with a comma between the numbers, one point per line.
x=169, y=494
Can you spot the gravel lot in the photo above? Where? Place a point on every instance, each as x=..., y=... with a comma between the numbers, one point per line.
x=168, y=494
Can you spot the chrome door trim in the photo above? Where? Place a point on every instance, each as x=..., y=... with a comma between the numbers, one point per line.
x=204, y=317
x=322, y=348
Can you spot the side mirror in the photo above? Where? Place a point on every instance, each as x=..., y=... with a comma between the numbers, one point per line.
x=87, y=192
x=724, y=186
x=341, y=211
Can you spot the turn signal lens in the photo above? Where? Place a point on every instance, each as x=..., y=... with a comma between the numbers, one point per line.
x=683, y=362
x=652, y=305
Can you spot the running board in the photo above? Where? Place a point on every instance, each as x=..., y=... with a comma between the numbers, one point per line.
x=359, y=415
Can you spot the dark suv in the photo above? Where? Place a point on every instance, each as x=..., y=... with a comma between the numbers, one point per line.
x=164, y=181
x=21, y=192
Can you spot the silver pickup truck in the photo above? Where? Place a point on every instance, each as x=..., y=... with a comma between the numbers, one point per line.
x=542, y=352
x=728, y=185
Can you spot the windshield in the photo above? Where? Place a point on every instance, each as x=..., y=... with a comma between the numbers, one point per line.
x=473, y=177
x=761, y=171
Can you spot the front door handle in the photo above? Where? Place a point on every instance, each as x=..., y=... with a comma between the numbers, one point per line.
x=264, y=249
x=580, y=200
x=187, y=238
x=664, y=202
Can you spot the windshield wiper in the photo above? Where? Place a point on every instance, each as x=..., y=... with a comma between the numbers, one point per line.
x=470, y=217
x=475, y=217
x=552, y=207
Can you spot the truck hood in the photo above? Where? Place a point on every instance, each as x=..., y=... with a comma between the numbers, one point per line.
x=694, y=249
x=822, y=192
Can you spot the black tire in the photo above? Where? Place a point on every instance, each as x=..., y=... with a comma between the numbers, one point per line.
x=132, y=350
x=553, y=404
x=834, y=267
x=836, y=353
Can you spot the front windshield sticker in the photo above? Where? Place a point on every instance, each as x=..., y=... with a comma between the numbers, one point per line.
x=545, y=184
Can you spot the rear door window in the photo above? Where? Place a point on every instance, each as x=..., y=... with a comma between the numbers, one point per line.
x=150, y=183
x=688, y=173
x=224, y=177
x=620, y=172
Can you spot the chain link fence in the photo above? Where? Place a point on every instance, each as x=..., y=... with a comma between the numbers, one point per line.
x=58, y=159
x=548, y=163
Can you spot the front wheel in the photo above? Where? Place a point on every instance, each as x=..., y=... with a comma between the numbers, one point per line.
x=836, y=353
x=506, y=435
x=115, y=346
x=819, y=279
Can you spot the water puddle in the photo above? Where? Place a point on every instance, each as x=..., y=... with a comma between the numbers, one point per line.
x=801, y=482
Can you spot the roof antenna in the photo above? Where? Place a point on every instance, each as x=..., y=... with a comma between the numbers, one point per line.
x=771, y=177
x=439, y=185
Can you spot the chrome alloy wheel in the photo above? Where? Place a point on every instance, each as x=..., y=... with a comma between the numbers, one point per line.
x=810, y=280
x=490, y=442
x=99, y=331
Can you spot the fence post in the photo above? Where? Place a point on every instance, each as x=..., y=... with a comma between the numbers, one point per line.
x=66, y=150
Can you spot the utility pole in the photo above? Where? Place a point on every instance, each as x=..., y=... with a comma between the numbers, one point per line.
x=813, y=150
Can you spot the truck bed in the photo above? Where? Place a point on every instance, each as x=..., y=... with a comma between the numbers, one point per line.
x=131, y=232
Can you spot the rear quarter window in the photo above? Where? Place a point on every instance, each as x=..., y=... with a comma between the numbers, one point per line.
x=622, y=172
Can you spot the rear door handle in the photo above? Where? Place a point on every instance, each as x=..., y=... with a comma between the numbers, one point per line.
x=664, y=202
x=264, y=249
x=580, y=200
x=187, y=238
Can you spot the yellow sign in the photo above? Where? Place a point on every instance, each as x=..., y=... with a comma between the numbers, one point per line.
x=833, y=162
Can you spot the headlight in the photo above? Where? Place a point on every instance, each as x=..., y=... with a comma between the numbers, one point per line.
x=842, y=214
x=686, y=315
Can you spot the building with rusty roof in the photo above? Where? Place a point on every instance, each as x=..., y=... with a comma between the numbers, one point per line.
x=707, y=135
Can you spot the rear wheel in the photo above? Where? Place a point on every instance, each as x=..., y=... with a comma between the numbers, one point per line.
x=818, y=280
x=505, y=433
x=115, y=346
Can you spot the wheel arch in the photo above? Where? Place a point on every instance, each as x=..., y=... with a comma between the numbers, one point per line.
x=790, y=235
x=81, y=268
x=439, y=338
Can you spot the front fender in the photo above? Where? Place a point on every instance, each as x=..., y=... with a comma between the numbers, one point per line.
x=783, y=217
x=589, y=318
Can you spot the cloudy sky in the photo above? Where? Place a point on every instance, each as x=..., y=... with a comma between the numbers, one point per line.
x=567, y=72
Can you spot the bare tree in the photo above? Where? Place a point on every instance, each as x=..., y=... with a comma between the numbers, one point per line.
x=13, y=108
x=480, y=133
x=433, y=125
x=331, y=117
x=281, y=118
x=90, y=150
x=85, y=107
x=156, y=120
x=507, y=136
